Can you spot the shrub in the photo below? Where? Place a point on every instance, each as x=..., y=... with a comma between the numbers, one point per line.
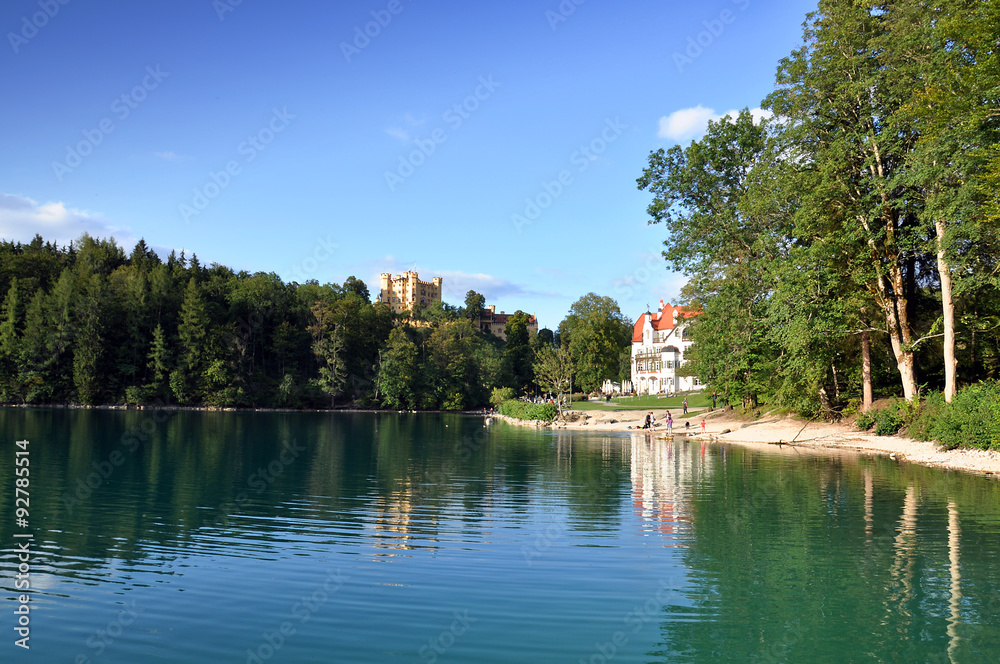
x=866, y=420
x=889, y=421
x=972, y=419
x=523, y=410
x=921, y=425
x=501, y=394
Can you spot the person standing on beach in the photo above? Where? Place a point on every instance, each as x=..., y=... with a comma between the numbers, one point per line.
x=670, y=423
x=703, y=425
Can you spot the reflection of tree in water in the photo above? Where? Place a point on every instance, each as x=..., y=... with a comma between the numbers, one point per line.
x=201, y=477
x=837, y=560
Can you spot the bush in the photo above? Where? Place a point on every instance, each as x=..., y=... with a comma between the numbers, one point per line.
x=580, y=397
x=972, y=419
x=523, y=410
x=889, y=421
x=921, y=425
x=501, y=394
x=866, y=420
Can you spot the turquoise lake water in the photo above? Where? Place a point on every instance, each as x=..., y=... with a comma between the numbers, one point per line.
x=243, y=537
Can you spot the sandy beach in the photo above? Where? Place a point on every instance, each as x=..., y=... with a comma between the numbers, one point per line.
x=789, y=432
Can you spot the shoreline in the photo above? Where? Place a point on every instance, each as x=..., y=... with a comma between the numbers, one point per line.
x=775, y=432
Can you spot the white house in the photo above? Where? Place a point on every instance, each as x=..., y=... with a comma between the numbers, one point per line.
x=658, y=348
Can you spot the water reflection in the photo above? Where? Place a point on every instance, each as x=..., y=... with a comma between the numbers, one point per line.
x=665, y=473
x=711, y=553
x=854, y=560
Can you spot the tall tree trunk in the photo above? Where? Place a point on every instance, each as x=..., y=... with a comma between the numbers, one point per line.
x=948, y=312
x=866, y=371
x=894, y=307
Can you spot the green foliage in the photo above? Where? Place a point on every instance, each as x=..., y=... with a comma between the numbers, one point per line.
x=866, y=420
x=972, y=419
x=889, y=421
x=398, y=373
x=523, y=410
x=474, y=305
x=500, y=395
x=553, y=369
x=595, y=332
x=518, y=355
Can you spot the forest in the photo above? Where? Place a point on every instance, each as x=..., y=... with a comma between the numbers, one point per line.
x=842, y=241
x=90, y=324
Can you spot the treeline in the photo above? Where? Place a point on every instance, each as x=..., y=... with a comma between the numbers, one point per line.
x=89, y=323
x=847, y=247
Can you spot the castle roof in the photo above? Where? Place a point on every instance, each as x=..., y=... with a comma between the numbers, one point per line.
x=661, y=320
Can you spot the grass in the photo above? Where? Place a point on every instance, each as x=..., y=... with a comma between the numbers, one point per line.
x=695, y=400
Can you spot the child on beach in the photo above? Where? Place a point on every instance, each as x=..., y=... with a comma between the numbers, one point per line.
x=703, y=425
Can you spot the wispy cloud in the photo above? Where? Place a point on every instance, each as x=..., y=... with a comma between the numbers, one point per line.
x=690, y=123
x=403, y=133
x=456, y=283
x=21, y=218
x=168, y=156
x=398, y=132
x=494, y=288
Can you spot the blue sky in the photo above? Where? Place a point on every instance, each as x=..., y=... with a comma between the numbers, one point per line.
x=494, y=144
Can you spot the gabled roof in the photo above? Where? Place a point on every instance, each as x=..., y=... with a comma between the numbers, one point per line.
x=661, y=320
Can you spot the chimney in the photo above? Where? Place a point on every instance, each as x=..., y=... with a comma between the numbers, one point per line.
x=661, y=305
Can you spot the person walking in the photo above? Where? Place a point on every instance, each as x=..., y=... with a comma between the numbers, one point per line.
x=685, y=404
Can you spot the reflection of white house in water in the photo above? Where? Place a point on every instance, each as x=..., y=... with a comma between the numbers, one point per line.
x=664, y=475
x=658, y=348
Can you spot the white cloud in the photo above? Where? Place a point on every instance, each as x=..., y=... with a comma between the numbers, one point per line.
x=398, y=132
x=690, y=123
x=401, y=133
x=21, y=218
x=168, y=156
x=456, y=283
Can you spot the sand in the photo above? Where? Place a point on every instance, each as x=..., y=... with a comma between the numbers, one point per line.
x=792, y=432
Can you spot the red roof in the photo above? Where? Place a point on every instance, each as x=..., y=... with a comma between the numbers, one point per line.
x=662, y=319
x=502, y=317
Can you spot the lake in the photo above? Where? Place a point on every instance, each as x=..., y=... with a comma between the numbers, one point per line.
x=293, y=537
